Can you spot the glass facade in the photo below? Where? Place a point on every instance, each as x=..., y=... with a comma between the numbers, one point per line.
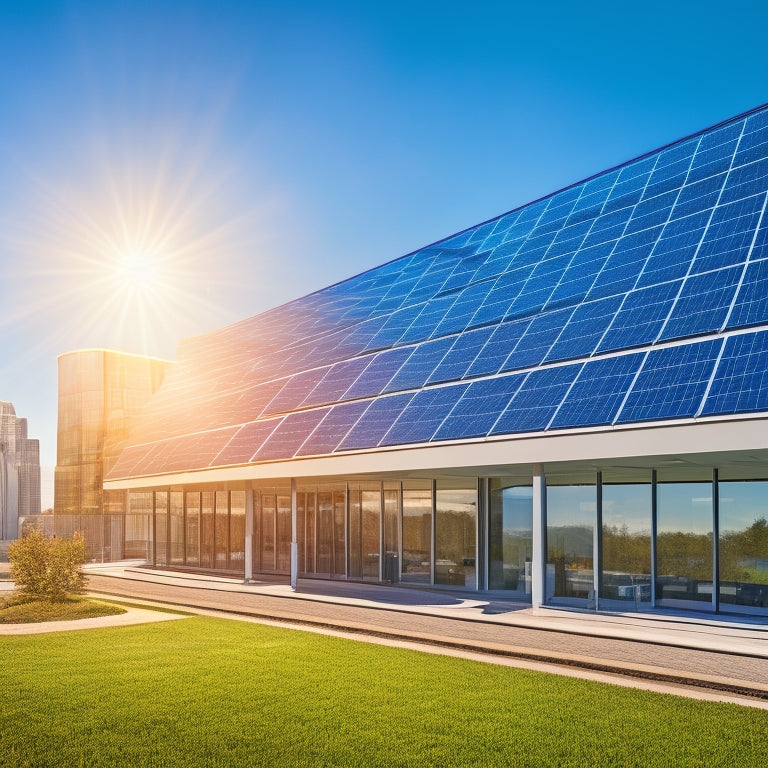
x=571, y=520
x=626, y=523
x=743, y=545
x=605, y=531
x=510, y=537
x=101, y=394
x=456, y=534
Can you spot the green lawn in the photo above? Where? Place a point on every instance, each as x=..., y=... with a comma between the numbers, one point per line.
x=25, y=609
x=211, y=692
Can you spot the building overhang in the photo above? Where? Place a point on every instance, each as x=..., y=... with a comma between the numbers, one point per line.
x=719, y=442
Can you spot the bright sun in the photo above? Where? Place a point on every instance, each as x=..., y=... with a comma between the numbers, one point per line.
x=137, y=269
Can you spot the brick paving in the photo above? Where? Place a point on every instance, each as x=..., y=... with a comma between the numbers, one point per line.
x=737, y=671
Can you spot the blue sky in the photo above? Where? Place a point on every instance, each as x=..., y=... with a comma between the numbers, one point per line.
x=262, y=150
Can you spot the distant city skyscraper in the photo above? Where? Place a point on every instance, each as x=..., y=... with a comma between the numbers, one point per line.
x=19, y=472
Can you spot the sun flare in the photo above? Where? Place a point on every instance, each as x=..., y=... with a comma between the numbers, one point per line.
x=137, y=269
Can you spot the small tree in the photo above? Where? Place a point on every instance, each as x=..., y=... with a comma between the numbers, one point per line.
x=47, y=568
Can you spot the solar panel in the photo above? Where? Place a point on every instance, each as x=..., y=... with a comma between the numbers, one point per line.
x=703, y=303
x=378, y=373
x=584, y=330
x=477, y=410
x=751, y=305
x=337, y=381
x=641, y=317
x=332, y=429
x=245, y=441
x=740, y=384
x=672, y=382
x=672, y=254
x=419, y=366
x=666, y=247
x=537, y=400
x=380, y=415
x=458, y=360
x=498, y=348
x=729, y=235
x=289, y=435
x=421, y=418
x=537, y=339
x=598, y=392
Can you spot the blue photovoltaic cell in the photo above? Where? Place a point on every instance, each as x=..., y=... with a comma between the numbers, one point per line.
x=294, y=391
x=671, y=383
x=673, y=252
x=745, y=181
x=288, y=437
x=641, y=317
x=375, y=422
x=461, y=355
x=598, y=392
x=740, y=384
x=332, y=429
x=624, y=264
x=651, y=213
x=394, y=328
x=703, y=303
x=497, y=350
x=245, y=442
x=458, y=316
x=538, y=289
x=578, y=278
x=429, y=318
x=376, y=376
x=424, y=414
x=698, y=196
x=337, y=381
x=729, y=235
x=478, y=409
x=751, y=305
x=537, y=340
x=537, y=400
x=418, y=367
x=506, y=288
x=584, y=330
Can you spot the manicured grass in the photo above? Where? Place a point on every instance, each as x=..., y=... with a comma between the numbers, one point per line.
x=23, y=609
x=211, y=692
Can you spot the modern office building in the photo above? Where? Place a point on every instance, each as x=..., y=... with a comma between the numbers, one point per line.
x=567, y=403
x=19, y=472
x=101, y=393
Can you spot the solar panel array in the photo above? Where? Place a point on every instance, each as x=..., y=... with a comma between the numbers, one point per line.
x=638, y=295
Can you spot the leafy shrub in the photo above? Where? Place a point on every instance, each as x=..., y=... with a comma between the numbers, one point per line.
x=47, y=568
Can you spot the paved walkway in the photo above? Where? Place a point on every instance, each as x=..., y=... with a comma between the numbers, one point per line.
x=691, y=651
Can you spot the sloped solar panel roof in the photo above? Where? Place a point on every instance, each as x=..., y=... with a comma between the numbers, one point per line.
x=640, y=294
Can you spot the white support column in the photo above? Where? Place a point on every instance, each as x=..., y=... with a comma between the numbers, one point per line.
x=539, y=565
x=248, y=532
x=294, y=537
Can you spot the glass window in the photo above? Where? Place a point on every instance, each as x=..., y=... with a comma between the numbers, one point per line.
x=339, y=535
x=237, y=531
x=284, y=533
x=684, y=542
x=177, y=528
x=268, y=518
x=456, y=534
x=222, y=529
x=571, y=516
x=510, y=536
x=371, y=534
x=417, y=534
x=744, y=545
x=161, y=528
x=625, y=582
x=206, y=530
x=325, y=532
x=355, y=534
x=391, y=532
x=193, y=529
x=309, y=533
